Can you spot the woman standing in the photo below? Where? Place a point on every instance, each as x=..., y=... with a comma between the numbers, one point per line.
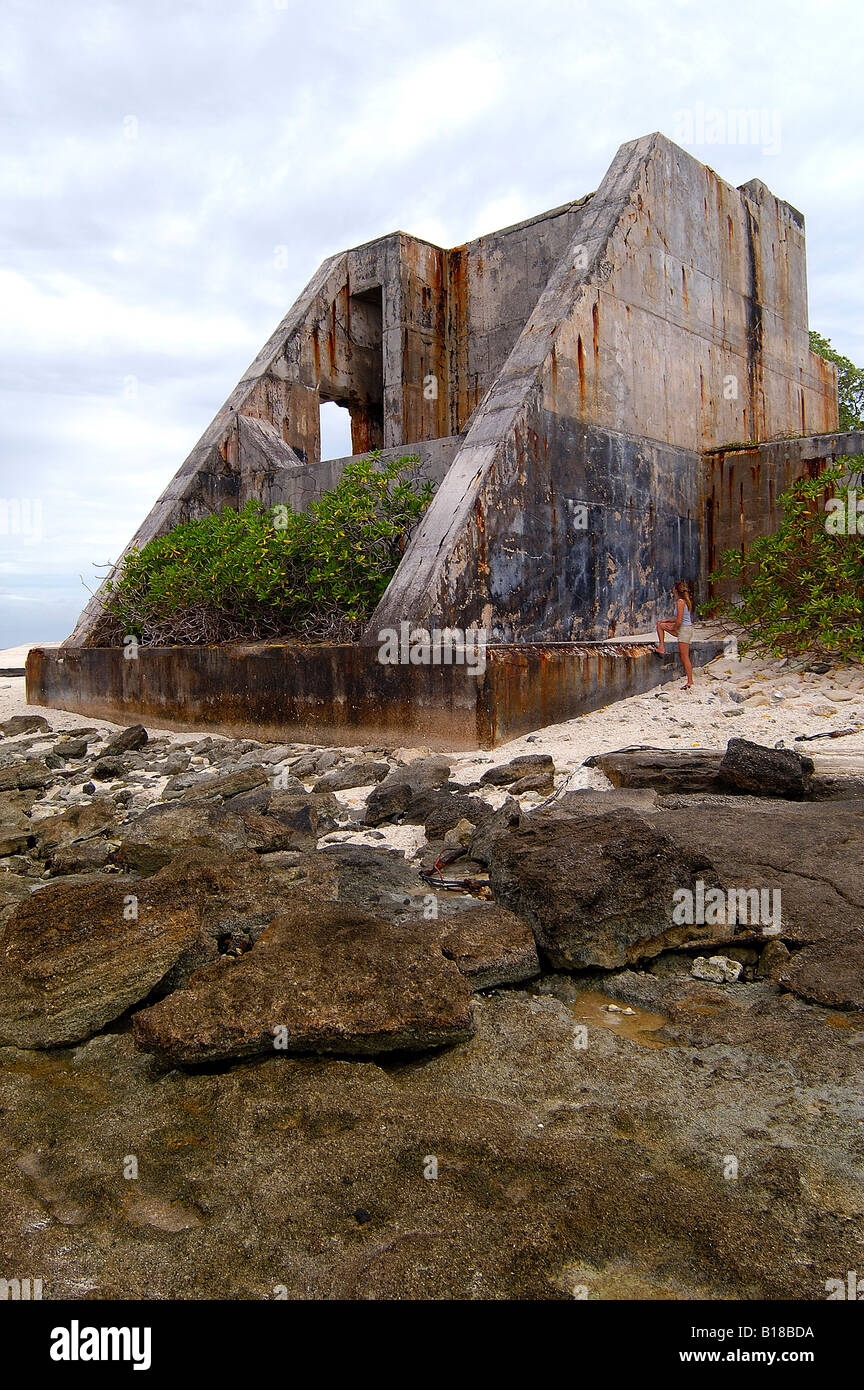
x=681, y=626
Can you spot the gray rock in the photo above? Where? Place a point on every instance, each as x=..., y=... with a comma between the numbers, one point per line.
x=663, y=770
x=127, y=741
x=751, y=767
x=499, y=823
x=307, y=816
x=24, y=724
x=71, y=748
x=109, y=768
x=228, y=785
x=402, y=785
x=31, y=774
x=361, y=774
x=526, y=765
x=445, y=809
x=598, y=891
x=381, y=881
x=543, y=782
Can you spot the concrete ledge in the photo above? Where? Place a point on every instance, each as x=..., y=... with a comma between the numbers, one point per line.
x=342, y=695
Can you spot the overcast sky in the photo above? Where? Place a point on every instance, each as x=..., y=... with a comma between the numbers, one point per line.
x=173, y=171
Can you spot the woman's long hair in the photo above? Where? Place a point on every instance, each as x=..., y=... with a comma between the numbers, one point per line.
x=683, y=590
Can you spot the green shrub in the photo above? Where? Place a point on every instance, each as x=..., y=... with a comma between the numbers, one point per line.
x=262, y=573
x=802, y=588
x=850, y=382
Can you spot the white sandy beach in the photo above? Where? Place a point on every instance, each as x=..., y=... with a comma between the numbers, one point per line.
x=751, y=697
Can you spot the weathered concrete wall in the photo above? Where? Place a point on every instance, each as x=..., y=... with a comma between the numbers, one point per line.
x=675, y=292
x=493, y=286
x=741, y=491
x=342, y=695
x=695, y=329
x=302, y=484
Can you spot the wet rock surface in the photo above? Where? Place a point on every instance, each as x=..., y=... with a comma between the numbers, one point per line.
x=579, y=1122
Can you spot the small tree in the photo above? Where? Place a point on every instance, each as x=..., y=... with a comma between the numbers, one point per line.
x=850, y=383
x=802, y=588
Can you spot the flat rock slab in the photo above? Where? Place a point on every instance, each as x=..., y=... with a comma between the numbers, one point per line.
x=810, y=852
x=322, y=978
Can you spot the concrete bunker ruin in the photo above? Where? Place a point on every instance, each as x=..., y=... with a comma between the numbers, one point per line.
x=605, y=395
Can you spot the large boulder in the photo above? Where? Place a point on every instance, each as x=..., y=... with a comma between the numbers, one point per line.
x=598, y=891
x=751, y=767
x=76, y=954
x=322, y=978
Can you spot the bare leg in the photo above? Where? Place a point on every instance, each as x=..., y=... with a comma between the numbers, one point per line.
x=684, y=649
x=663, y=627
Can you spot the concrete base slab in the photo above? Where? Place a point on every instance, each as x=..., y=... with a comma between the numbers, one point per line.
x=341, y=695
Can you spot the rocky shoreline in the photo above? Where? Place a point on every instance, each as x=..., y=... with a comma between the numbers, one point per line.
x=377, y=1023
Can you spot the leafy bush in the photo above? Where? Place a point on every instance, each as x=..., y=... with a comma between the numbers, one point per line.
x=802, y=588
x=262, y=573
